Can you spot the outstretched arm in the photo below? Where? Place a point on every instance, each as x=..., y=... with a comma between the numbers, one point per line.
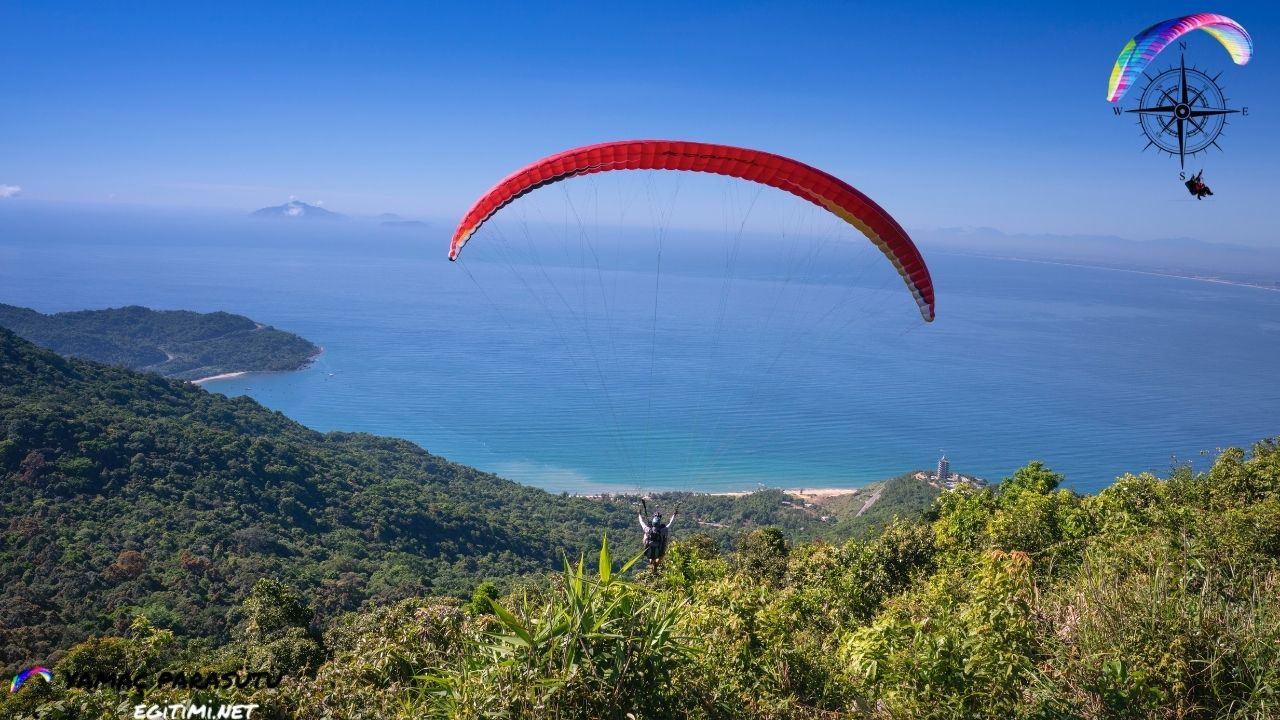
x=672, y=521
x=643, y=524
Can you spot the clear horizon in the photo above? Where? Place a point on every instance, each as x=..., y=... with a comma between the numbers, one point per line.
x=974, y=116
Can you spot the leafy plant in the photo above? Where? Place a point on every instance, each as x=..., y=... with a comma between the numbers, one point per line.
x=602, y=643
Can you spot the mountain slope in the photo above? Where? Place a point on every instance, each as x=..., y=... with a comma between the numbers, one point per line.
x=124, y=493
x=124, y=490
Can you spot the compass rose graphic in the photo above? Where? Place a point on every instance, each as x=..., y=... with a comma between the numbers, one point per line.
x=1183, y=111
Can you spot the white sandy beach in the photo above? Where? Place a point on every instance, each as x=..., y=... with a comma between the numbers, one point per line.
x=816, y=494
x=223, y=376
x=808, y=494
x=227, y=376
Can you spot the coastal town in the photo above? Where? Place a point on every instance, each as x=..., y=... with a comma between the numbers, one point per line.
x=944, y=479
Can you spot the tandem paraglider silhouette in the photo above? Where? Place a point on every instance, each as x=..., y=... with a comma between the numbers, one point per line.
x=1196, y=186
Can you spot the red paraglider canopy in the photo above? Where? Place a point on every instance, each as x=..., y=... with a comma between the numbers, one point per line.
x=795, y=177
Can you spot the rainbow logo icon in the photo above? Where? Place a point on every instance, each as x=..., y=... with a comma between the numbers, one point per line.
x=22, y=677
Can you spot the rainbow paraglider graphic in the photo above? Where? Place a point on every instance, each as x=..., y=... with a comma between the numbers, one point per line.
x=22, y=677
x=1146, y=45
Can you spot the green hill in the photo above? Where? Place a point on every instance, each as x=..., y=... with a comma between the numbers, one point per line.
x=173, y=343
x=125, y=493
x=197, y=533
x=1155, y=598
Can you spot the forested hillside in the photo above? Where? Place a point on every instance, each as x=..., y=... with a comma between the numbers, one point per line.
x=187, y=531
x=1155, y=598
x=124, y=493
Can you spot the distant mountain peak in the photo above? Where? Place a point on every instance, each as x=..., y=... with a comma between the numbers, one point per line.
x=297, y=209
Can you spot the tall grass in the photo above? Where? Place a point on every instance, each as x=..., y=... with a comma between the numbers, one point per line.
x=1150, y=629
x=602, y=647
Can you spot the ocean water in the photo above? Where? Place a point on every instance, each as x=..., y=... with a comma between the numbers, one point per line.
x=576, y=368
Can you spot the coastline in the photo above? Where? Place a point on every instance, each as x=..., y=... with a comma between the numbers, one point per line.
x=222, y=376
x=229, y=375
x=1154, y=273
x=808, y=494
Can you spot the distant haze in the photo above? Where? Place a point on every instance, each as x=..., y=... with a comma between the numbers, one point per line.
x=1175, y=256
x=947, y=114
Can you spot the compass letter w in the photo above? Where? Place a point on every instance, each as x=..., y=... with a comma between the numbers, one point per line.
x=1116, y=110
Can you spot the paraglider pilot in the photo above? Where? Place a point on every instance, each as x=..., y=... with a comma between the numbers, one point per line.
x=656, y=534
x=1196, y=186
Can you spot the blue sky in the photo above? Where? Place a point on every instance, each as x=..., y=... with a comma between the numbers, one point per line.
x=948, y=114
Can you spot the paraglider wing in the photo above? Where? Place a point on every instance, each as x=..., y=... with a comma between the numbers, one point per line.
x=1146, y=45
x=814, y=185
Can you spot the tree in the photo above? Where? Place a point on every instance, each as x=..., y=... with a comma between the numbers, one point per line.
x=272, y=608
x=762, y=554
x=480, y=599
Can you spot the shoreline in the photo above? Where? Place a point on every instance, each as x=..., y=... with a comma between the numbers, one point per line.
x=221, y=376
x=1154, y=273
x=809, y=494
x=229, y=375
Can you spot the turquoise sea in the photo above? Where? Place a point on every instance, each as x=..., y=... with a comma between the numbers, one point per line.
x=561, y=369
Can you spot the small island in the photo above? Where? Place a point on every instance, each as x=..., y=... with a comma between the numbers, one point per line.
x=298, y=209
x=175, y=343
